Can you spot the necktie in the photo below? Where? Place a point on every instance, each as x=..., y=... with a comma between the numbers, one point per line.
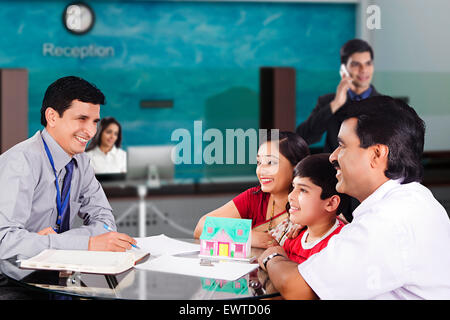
x=65, y=215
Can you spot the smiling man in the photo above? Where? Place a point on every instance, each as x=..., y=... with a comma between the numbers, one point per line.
x=397, y=245
x=357, y=58
x=47, y=180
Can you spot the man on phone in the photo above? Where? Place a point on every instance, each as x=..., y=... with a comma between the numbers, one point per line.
x=356, y=77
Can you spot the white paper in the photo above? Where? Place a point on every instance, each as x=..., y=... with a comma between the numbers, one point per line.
x=223, y=270
x=159, y=245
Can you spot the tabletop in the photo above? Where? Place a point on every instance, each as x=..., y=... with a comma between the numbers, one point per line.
x=137, y=284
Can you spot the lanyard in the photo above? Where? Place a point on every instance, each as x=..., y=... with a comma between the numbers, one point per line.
x=60, y=207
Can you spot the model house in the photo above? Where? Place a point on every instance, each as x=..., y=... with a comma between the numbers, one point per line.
x=226, y=237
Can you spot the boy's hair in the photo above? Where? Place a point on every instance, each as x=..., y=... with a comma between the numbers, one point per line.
x=62, y=92
x=391, y=122
x=353, y=46
x=320, y=171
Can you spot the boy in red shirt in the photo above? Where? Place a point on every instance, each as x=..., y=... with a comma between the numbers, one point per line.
x=315, y=204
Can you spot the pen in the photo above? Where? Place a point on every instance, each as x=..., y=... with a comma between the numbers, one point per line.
x=109, y=229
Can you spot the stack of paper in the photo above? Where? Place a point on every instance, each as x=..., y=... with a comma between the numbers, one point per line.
x=224, y=270
x=159, y=245
x=163, y=249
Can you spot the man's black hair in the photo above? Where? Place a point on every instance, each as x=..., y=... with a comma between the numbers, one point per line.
x=321, y=172
x=62, y=92
x=352, y=46
x=391, y=122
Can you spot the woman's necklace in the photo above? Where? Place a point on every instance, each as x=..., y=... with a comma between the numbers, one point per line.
x=271, y=217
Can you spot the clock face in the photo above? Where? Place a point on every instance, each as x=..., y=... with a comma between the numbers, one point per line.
x=78, y=18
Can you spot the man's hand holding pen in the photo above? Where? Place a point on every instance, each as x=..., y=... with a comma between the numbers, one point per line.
x=111, y=241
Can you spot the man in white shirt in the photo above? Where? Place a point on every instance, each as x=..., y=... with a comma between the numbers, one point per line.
x=397, y=246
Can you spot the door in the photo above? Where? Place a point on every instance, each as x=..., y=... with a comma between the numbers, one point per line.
x=223, y=249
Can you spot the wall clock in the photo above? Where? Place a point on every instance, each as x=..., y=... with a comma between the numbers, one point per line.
x=78, y=18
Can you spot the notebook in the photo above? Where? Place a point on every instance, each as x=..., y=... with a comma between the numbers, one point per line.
x=102, y=262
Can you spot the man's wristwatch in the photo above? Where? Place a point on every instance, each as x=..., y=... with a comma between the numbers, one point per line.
x=269, y=257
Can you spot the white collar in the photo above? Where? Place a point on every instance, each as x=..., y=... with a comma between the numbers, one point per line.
x=112, y=151
x=376, y=196
x=311, y=245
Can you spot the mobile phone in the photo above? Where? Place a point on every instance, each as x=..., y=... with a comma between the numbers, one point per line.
x=343, y=71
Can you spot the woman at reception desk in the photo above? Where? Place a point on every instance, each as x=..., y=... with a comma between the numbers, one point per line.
x=104, y=149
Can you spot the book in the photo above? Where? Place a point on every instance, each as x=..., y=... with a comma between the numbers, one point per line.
x=101, y=262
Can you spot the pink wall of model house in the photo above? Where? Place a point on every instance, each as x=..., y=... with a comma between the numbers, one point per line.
x=222, y=237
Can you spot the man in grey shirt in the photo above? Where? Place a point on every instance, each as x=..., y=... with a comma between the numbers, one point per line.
x=28, y=199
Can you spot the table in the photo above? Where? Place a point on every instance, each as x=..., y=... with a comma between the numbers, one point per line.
x=136, y=284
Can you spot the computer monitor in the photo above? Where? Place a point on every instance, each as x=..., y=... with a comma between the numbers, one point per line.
x=150, y=162
x=106, y=177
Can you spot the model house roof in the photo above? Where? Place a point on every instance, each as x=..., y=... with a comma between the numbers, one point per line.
x=237, y=229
